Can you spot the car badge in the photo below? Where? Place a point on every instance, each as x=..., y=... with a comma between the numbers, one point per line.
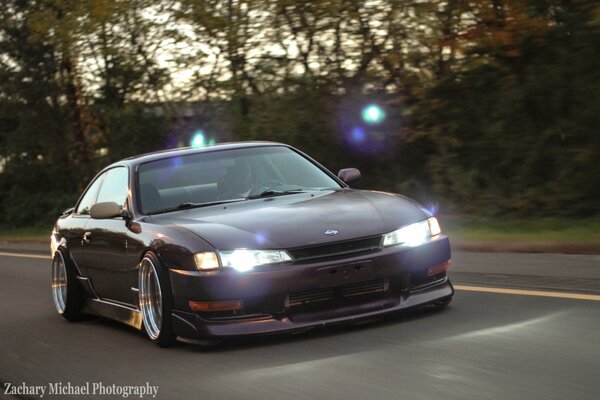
x=331, y=232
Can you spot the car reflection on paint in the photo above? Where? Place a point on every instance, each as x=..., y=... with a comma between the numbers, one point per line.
x=242, y=239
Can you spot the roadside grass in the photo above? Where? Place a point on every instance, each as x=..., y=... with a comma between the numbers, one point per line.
x=35, y=234
x=522, y=230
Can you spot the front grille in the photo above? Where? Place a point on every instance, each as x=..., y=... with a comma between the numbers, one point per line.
x=337, y=248
x=323, y=295
x=378, y=286
x=308, y=297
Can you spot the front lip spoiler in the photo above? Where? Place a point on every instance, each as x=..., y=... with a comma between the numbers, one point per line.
x=192, y=326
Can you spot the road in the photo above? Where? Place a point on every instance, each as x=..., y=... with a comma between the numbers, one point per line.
x=486, y=345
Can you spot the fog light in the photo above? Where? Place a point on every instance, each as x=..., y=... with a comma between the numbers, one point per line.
x=227, y=305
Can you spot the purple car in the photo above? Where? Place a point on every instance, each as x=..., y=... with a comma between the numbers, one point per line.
x=242, y=239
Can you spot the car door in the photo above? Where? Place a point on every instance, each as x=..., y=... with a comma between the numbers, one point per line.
x=73, y=228
x=109, y=263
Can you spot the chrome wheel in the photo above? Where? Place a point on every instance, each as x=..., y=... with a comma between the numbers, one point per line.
x=59, y=283
x=150, y=298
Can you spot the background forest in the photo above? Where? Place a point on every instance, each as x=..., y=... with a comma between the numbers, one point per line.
x=489, y=107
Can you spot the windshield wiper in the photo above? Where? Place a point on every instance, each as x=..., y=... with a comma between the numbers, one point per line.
x=271, y=192
x=187, y=205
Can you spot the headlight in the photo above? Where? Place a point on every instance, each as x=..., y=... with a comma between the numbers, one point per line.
x=240, y=259
x=245, y=260
x=414, y=234
x=206, y=261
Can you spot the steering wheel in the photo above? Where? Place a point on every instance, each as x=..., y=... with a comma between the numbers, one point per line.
x=270, y=184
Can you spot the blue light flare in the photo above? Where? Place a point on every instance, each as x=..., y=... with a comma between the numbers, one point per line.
x=358, y=134
x=373, y=114
x=260, y=237
x=176, y=162
x=198, y=140
x=432, y=208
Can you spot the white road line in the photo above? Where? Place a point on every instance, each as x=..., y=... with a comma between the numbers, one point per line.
x=24, y=255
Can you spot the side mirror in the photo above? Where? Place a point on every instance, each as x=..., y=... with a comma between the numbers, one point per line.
x=106, y=210
x=349, y=175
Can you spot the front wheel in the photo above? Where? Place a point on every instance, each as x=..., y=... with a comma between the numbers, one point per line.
x=155, y=301
x=66, y=293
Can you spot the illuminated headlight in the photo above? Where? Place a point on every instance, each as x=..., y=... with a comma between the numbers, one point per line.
x=206, y=261
x=414, y=234
x=245, y=260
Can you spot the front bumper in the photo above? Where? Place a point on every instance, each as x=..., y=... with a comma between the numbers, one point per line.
x=314, y=293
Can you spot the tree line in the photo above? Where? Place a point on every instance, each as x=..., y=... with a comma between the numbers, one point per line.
x=484, y=107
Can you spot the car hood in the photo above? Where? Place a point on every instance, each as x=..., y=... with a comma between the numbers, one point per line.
x=297, y=220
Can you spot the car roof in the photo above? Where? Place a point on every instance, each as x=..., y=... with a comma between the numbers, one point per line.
x=182, y=151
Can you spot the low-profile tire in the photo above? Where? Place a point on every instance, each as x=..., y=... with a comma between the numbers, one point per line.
x=66, y=293
x=156, y=301
x=443, y=303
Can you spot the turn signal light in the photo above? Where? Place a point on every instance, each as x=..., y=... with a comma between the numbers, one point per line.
x=438, y=269
x=228, y=305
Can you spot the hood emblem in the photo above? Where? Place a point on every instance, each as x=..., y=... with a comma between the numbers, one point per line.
x=331, y=232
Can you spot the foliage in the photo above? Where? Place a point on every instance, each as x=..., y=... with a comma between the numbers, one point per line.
x=491, y=105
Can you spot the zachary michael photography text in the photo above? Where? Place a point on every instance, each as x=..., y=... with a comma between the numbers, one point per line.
x=86, y=389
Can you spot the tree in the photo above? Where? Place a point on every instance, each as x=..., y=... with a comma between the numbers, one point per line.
x=54, y=123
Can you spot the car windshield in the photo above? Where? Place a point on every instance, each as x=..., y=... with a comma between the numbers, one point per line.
x=217, y=177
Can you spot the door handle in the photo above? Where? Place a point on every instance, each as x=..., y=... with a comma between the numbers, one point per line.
x=86, y=237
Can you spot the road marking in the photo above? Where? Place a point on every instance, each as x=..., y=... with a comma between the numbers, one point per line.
x=24, y=255
x=562, y=295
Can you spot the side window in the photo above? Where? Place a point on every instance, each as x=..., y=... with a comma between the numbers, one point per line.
x=89, y=199
x=115, y=187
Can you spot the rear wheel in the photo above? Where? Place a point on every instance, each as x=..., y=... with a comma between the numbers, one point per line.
x=65, y=291
x=155, y=301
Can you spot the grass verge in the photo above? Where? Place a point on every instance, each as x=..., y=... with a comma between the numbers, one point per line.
x=26, y=234
x=522, y=230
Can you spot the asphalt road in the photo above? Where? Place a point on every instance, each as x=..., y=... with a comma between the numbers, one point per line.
x=486, y=345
